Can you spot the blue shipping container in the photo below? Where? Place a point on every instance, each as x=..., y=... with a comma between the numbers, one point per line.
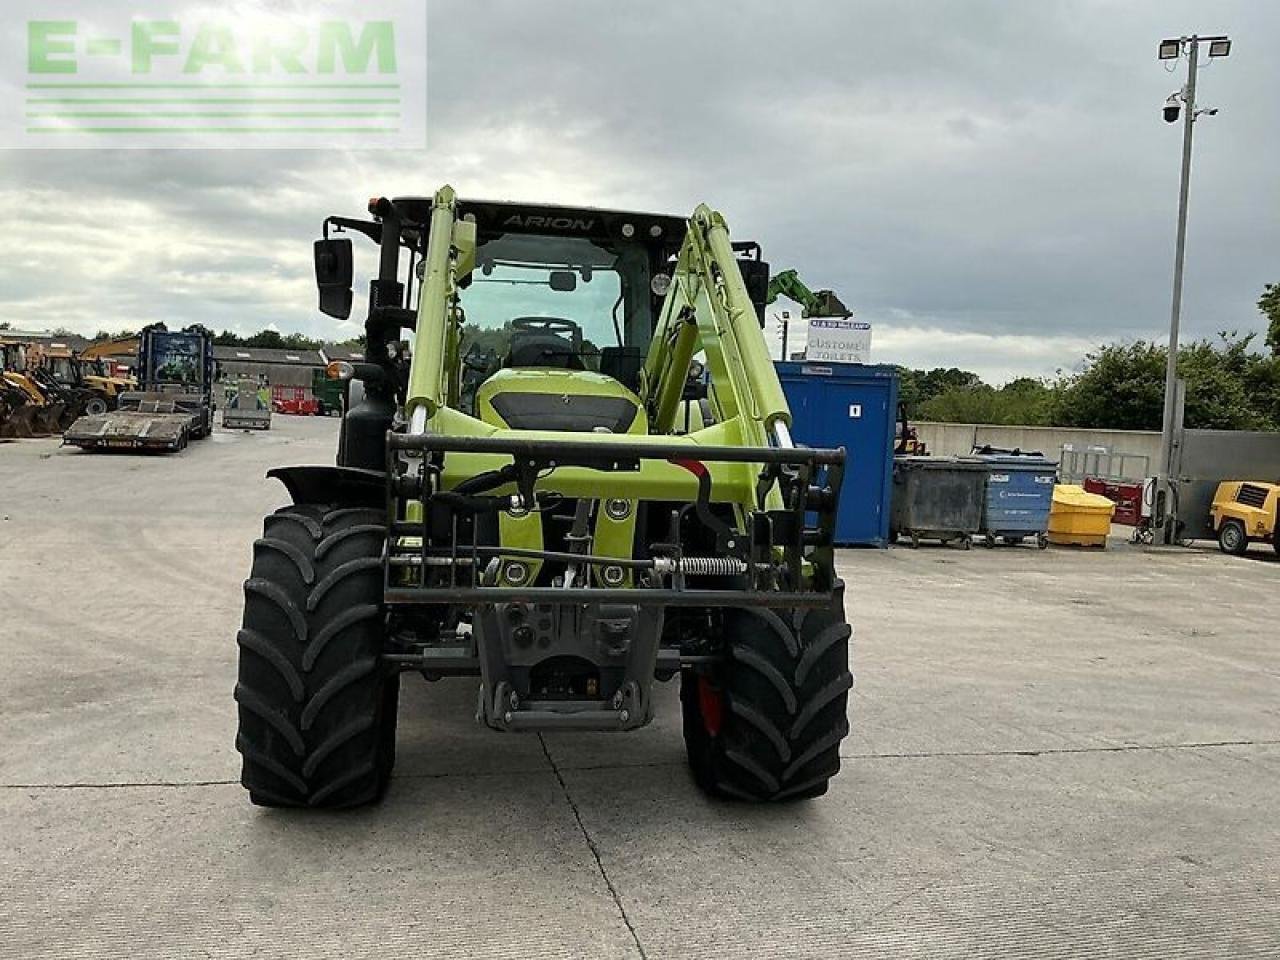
x=1019, y=496
x=854, y=406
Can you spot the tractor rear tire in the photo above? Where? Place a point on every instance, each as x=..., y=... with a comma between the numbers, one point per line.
x=317, y=704
x=767, y=724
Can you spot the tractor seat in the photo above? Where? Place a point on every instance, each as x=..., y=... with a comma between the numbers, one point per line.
x=530, y=349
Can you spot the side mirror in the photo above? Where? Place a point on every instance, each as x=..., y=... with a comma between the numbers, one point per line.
x=755, y=276
x=565, y=281
x=334, y=274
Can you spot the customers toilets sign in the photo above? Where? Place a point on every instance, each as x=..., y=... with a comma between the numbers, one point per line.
x=838, y=340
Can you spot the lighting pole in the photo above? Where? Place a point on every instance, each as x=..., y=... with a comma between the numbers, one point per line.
x=1182, y=101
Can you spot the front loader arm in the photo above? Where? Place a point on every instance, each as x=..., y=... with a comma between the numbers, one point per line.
x=708, y=291
x=451, y=245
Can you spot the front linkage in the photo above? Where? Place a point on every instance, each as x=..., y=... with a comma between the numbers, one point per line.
x=616, y=636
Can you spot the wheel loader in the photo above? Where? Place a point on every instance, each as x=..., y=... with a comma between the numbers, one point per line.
x=514, y=502
x=96, y=390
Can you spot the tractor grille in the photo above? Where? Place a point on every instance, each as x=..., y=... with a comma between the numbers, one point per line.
x=1252, y=495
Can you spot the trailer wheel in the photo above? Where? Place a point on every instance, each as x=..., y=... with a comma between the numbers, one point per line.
x=317, y=705
x=768, y=723
x=1232, y=538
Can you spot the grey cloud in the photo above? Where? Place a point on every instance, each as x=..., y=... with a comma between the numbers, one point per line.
x=993, y=168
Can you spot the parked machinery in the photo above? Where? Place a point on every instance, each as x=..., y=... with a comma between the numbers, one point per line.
x=29, y=409
x=174, y=404
x=1244, y=512
x=22, y=412
x=247, y=404
x=821, y=303
x=88, y=375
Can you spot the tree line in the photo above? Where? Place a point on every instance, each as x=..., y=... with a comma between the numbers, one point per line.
x=1230, y=385
x=263, y=339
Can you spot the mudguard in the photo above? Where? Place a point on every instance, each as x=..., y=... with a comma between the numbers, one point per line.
x=347, y=486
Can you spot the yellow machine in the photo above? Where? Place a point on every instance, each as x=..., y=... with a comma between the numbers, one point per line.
x=99, y=372
x=101, y=390
x=27, y=411
x=1244, y=511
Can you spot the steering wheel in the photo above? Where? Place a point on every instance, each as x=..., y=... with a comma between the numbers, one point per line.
x=558, y=326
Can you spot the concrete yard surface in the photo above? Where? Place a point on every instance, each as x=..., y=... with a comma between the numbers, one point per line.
x=1054, y=754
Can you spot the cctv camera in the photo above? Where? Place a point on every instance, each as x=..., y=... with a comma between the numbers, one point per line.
x=1172, y=107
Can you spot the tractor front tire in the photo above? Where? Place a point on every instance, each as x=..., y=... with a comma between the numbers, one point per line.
x=317, y=704
x=767, y=724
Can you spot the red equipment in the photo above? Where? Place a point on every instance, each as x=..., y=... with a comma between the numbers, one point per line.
x=1125, y=494
x=296, y=401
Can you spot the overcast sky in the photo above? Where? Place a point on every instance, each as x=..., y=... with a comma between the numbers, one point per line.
x=990, y=184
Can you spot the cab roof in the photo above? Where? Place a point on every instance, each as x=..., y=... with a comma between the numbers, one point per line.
x=494, y=218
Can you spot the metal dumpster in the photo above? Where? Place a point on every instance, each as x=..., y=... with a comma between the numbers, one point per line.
x=1018, y=497
x=852, y=406
x=937, y=498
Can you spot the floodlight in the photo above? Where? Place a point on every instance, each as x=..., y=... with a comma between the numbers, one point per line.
x=1169, y=49
x=1220, y=48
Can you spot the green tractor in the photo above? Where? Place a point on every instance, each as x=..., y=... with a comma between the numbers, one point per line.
x=514, y=500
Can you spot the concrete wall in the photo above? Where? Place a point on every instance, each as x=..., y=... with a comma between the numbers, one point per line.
x=955, y=439
x=1210, y=456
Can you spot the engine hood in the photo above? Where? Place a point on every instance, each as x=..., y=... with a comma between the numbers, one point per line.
x=553, y=399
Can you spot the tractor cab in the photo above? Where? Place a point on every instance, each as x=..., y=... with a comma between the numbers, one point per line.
x=561, y=303
x=557, y=316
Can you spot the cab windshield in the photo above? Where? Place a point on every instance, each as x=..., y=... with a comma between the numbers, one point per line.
x=547, y=301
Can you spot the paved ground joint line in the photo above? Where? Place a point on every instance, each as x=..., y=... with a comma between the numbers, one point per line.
x=1060, y=751
x=595, y=851
x=119, y=785
x=555, y=769
x=195, y=784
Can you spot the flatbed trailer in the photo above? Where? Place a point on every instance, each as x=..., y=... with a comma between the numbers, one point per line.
x=144, y=421
x=174, y=405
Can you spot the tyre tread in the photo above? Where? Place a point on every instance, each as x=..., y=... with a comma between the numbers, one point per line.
x=785, y=682
x=316, y=718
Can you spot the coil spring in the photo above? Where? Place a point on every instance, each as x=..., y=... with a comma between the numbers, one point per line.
x=712, y=566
